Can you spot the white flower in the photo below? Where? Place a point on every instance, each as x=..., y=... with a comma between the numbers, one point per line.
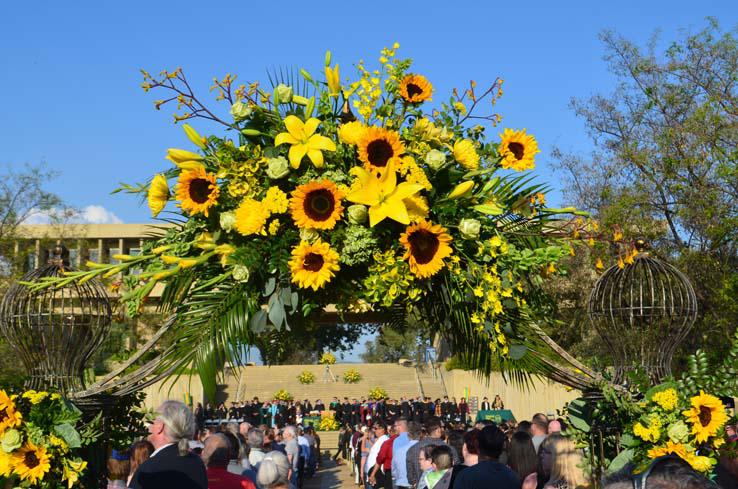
x=435, y=159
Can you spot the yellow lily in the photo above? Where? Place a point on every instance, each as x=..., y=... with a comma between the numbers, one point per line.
x=461, y=190
x=333, y=79
x=181, y=155
x=304, y=141
x=193, y=136
x=158, y=194
x=382, y=195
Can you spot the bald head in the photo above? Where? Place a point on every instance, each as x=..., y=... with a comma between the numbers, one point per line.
x=216, y=452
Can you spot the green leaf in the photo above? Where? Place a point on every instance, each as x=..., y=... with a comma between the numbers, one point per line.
x=259, y=321
x=489, y=209
x=69, y=434
x=276, y=311
x=579, y=415
x=271, y=284
x=621, y=460
x=518, y=351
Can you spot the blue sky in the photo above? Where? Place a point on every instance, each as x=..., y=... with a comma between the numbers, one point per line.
x=69, y=82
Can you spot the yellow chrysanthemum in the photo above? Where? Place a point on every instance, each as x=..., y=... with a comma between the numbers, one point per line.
x=380, y=149
x=650, y=433
x=707, y=416
x=667, y=399
x=415, y=89
x=518, y=150
x=31, y=463
x=9, y=417
x=677, y=449
x=351, y=132
x=316, y=205
x=35, y=397
x=251, y=216
x=197, y=191
x=417, y=207
x=158, y=194
x=276, y=201
x=313, y=265
x=274, y=227
x=466, y=154
x=700, y=463
x=426, y=245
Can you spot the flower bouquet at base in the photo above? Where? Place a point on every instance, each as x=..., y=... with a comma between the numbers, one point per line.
x=39, y=433
x=690, y=428
x=283, y=395
x=306, y=377
x=351, y=376
x=328, y=422
x=377, y=394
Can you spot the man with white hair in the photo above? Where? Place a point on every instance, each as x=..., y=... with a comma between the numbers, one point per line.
x=292, y=449
x=171, y=465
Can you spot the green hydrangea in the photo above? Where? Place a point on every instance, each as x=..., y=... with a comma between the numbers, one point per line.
x=359, y=246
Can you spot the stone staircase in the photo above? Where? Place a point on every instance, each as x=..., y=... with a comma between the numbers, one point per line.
x=262, y=382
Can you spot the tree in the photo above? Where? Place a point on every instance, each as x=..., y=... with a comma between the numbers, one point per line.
x=391, y=345
x=665, y=163
x=22, y=194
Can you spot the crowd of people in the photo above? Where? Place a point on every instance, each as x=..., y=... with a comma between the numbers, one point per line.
x=402, y=454
x=355, y=411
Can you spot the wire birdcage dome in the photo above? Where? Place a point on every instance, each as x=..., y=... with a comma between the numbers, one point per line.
x=642, y=312
x=55, y=331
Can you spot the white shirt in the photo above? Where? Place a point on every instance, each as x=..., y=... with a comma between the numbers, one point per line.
x=160, y=449
x=371, y=460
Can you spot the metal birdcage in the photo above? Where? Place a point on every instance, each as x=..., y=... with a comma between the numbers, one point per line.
x=643, y=311
x=55, y=331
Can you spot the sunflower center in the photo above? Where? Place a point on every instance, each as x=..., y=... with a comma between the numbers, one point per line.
x=313, y=262
x=3, y=414
x=705, y=415
x=200, y=190
x=379, y=152
x=413, y=90
x=517, y=149
x=423, y=246
x=319, y=205
x=30, y=460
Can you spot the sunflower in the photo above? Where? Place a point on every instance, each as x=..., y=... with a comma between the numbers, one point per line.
x=316, y=205
x=158, y=194
x=426, y=246
x=313, y=265
x=380, y=149
x=9, y=417
x=31, y=462
x=251, y=216
x=518, y=150
x=677, y=449
x=415, y=89
x=197, y=191
x=707, y=416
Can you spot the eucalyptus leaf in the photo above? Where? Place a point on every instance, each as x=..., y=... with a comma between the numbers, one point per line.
x=271, y=284
x=276, y=313
x=621, y=460
x=259, y=321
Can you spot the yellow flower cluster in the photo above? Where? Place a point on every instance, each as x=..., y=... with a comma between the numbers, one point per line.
x=369, y=86
x=650, y=433
x=276, y=201
x=351, y=376
x=306, y=377
x=377, y=393
x=242, y=174
x=282, y=395
x=35, y=397
x=413, y=173
x=328, y=423
x=327, y=358
x=667, y=399
x=252, y=215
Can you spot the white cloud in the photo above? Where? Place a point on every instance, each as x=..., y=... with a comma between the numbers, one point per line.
x=91, y=214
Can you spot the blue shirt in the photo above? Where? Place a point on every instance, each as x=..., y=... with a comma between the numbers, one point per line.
x=399, y=453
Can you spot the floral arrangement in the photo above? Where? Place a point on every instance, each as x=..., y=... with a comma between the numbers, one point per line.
x=328, y=422
x=38, y=433
x=377, y=393
x=304, y=204
x=691, y=428
x=282, y=395
x=306, y=377
x=351, y=376
x=327, y=358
